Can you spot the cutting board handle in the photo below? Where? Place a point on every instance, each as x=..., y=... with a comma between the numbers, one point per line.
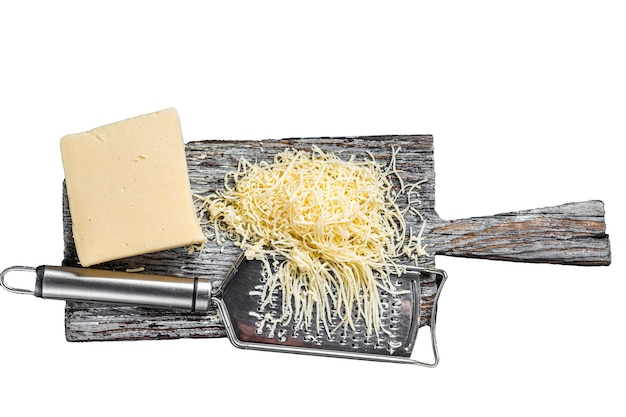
x=571, y=234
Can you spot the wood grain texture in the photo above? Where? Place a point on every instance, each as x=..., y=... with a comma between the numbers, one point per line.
x=569, y=234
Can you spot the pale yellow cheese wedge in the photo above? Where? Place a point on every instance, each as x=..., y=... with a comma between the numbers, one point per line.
x=128, y=188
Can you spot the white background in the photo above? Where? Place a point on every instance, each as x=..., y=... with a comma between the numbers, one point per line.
x=526, y=102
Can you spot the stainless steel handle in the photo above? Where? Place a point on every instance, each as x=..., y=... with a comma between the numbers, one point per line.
x=122, y=288
x=85, y=284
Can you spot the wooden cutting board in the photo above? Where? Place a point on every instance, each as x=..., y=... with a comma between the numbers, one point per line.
x=572, y=233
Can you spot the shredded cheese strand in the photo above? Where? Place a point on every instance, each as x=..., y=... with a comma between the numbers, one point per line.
x=336, y=224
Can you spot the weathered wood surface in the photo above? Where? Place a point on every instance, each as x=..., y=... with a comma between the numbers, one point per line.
x=573, y=233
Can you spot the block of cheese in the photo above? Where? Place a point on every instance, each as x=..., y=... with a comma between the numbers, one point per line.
x=128, y=188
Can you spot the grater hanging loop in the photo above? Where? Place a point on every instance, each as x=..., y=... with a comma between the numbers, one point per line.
x=12, y=289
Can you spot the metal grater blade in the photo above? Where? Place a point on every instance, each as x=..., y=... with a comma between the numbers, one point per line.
x=240, y=305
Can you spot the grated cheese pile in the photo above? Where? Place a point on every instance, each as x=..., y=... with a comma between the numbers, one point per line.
x=335, y=225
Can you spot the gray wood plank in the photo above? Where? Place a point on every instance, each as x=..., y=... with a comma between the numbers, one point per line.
x=573, y=233
x=568, y=234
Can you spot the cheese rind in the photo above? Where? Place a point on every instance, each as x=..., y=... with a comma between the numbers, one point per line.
x=128, y=188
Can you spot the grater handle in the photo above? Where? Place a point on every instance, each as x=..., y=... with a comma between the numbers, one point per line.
x=120, y=288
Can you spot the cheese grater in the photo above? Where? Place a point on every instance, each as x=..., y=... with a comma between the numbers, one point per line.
x=239, y=303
